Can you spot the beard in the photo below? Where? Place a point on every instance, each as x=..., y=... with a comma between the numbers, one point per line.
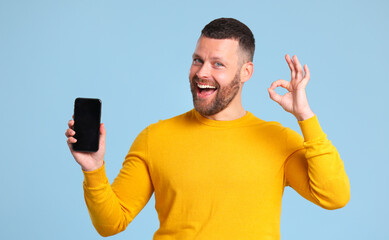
x=223, y=98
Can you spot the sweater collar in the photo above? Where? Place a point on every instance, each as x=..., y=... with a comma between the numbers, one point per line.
x=216, y=123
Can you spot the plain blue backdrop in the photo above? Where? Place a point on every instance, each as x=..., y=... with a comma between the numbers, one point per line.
x=135, y=56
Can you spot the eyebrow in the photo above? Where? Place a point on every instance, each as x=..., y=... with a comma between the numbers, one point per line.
x=195, y=55
x=212, y=58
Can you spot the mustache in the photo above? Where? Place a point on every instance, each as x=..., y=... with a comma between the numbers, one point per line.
x=196, y=79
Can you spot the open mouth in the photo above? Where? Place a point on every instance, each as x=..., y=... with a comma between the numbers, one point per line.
x=204, y=90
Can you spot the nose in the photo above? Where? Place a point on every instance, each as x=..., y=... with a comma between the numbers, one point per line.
x=204, y=72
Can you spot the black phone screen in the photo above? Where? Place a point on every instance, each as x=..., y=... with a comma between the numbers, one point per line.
x=87, y=112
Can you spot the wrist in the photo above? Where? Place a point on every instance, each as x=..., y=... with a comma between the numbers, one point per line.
x=304, y=116
x=92, y=167
x=95, y=179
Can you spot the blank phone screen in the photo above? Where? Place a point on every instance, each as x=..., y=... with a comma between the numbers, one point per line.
x=87, y=112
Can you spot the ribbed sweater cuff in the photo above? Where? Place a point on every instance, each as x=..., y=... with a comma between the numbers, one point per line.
x=311, y=129
x=95, y=178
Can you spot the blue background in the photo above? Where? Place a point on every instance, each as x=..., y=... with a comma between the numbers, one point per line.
x=135, y=57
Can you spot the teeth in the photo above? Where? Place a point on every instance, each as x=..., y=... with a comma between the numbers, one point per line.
x=205, y=86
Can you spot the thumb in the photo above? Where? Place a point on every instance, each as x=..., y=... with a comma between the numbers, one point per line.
x=102, y=134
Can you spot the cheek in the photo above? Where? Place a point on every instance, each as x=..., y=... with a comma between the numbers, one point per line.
x=222, y=78
x=192, y=72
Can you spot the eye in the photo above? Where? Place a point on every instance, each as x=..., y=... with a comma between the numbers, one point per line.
x=197, y=61
x=219, y=64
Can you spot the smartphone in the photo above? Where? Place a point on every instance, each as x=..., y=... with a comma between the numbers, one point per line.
x=87, y=114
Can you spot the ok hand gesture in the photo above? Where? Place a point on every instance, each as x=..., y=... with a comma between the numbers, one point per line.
x=295, y=101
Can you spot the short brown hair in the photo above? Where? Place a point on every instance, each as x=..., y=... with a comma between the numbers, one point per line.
x=230, y=28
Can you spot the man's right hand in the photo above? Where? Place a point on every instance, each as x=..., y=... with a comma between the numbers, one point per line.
x=88, y=161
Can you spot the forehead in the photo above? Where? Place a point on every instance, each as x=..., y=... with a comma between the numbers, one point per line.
x=217, y=48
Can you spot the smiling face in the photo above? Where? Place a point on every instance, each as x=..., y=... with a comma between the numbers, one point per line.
x=215, y=75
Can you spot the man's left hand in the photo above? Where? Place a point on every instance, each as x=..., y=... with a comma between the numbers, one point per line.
x=295, y=100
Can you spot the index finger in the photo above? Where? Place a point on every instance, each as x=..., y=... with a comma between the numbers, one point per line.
x=71, y=123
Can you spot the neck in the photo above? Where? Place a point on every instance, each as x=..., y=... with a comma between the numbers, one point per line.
x=233, y=111
x=228, y=114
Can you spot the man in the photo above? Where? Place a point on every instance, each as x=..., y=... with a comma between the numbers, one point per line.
x=218, y=172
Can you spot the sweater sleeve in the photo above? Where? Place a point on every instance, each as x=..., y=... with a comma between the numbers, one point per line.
x=315, y=170
x=113, y=207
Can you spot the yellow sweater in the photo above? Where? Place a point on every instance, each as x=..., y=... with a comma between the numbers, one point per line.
x=217, y=179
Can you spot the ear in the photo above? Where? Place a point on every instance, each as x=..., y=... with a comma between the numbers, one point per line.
x=246, y=71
